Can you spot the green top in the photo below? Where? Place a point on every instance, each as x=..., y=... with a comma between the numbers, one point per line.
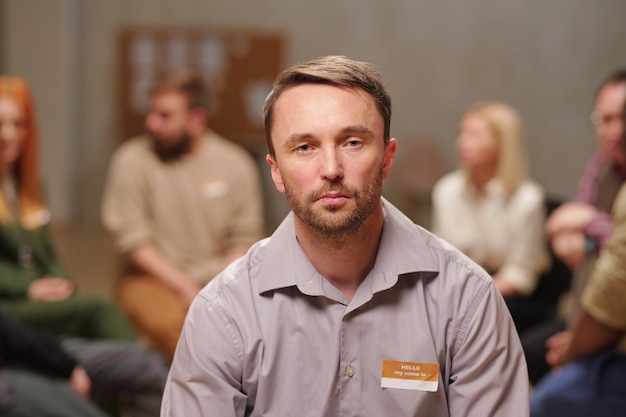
x=17, y=268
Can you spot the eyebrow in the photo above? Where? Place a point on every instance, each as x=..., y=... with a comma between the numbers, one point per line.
x=359, y=129
x=348, y=130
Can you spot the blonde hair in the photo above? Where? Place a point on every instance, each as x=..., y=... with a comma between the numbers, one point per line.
x=32, y=209
x=506, y=125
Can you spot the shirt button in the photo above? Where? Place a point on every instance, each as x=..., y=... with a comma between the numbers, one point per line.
x=350, y=371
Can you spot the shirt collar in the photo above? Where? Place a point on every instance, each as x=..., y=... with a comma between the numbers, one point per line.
x=403, y=249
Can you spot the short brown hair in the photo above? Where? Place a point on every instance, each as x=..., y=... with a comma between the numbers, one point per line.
x=187, y=81
x=332, y=70
x=617, y=77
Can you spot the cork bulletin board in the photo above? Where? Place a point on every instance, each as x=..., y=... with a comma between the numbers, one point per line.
x=239, y=65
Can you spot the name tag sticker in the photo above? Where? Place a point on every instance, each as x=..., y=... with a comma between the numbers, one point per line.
x=410, y=375
x=213, y=188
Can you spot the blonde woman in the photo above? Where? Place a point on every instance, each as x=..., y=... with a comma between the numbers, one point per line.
x=488, y=208
x=33, y=285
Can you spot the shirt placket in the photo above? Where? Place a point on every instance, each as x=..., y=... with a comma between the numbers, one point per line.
x=350, y=373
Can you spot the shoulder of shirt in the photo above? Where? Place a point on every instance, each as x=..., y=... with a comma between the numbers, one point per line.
x=134, y=148
x=452, y=178
x=461, y=284
x=445, y=257
x=447, y=254
x=530, y=192
x=450, y=183
x=236, y=277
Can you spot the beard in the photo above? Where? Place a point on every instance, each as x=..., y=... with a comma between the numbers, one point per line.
x=171, y=151
x=329, y=221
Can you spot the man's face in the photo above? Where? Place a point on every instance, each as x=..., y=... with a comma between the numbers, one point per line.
x=168, y=123
x=330, y=156
x=607, y=121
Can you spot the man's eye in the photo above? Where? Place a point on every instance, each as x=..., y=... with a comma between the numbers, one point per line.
x=304, y=148
x=354, y=143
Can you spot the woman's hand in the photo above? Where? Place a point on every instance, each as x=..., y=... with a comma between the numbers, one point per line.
x=559, y=347
x=80, y=382
x=50, y=289
x=570, y=217
x=569, y=247
x=505, y=287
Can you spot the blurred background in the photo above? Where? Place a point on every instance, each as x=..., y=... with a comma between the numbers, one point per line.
x=88, y=63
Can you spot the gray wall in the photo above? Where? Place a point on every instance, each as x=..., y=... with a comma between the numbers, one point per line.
x=544, y=57
x=39, y=43
x=2, y=58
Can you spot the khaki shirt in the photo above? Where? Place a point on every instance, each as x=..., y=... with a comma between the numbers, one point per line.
x=271, y=337
x=604, y=297
x=193, y=209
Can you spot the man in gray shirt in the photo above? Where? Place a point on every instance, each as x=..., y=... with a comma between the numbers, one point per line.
x=348, y=309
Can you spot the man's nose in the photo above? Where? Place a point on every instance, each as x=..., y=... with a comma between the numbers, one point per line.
x=332, y=166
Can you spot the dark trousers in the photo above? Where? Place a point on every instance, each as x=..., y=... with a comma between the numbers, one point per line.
x=534, y=345
x=595, y=386
x=121, y=372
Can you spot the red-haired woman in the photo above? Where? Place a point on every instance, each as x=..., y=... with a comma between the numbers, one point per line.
x=33, y=285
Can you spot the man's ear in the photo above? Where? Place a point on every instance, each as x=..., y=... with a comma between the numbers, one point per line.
x=390, y=154
x=276, y=177
x=198, y=119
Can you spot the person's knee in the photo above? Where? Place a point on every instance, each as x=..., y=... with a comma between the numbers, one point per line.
x=156, y=368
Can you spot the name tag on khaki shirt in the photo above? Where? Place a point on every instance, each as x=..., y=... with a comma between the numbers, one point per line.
x=213, y=188
x=410, y=375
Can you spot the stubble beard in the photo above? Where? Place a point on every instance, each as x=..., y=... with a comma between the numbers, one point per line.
x=173, y=151
x=328, y=222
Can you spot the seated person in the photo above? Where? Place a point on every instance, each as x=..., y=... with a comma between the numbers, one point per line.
x=592, y=380
x=349, y=308
x=180, y=203
x=578, y=230
x=489, y=209
x=33, y=285
x=39, y=376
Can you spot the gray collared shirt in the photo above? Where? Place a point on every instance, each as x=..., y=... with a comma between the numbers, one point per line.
x=271, y=337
